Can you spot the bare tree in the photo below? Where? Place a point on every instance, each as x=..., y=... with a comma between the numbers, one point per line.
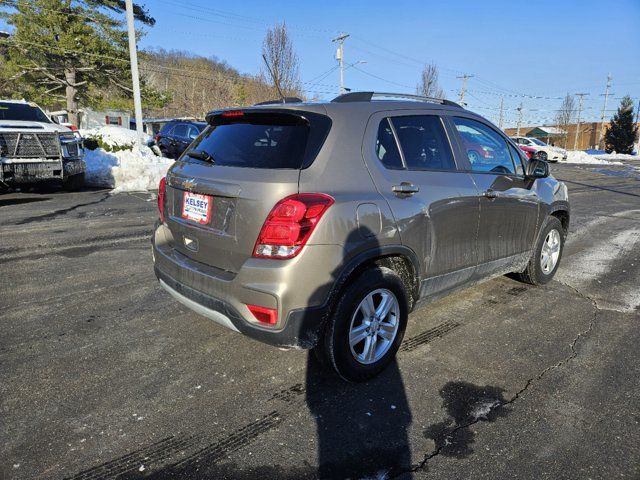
x=282, y=60
x=566, y=114
x=429, y=86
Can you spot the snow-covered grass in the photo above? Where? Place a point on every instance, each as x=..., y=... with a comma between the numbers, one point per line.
x=125, y=170
x=578, y=156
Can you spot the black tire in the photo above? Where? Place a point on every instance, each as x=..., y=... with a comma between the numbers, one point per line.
x=335, y=343
x=534, y=273
x=543, y=156
x=73, y=183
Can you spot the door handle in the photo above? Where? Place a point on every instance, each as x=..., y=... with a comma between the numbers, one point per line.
x=405, y=188
x=490, y=194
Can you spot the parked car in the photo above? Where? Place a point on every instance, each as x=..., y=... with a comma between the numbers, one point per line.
x=34, y=149
x=545, y=152
x=174, y=137
x=323, y=225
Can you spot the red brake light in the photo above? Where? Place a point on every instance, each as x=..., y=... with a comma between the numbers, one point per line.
x=232, y=113
x=264, y=314
x=290, y=224
x=162, y=187
x=157, y=137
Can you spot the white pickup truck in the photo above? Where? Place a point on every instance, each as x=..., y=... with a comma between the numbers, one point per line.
x=34, y=149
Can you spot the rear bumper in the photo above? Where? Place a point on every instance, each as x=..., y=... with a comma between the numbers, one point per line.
x=302, y=328
x=299, y=290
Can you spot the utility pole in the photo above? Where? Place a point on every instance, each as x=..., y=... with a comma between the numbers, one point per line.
x=340, y=57
x=575, y=141
x=133, y=56
x=638, y=116
x=604, y=108
x=463, y=89
x=519, y=109
x=501, y=113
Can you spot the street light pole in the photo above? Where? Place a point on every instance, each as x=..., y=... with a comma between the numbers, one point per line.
x=135, y=77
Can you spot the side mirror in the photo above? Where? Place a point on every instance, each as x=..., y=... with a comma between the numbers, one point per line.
x=537, y=168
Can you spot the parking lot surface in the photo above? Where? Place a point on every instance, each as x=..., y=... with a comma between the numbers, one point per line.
x=103, y=375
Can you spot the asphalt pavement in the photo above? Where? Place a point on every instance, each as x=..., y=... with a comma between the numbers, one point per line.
x=103, y=375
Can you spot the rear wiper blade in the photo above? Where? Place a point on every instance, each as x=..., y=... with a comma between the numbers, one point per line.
x=200, y=155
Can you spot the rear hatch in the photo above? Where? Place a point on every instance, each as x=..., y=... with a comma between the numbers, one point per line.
x=222, y=188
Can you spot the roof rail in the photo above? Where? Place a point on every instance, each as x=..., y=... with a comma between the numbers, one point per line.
x=368, y=96
x=280, y=101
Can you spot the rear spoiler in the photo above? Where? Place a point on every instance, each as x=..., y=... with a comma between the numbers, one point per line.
x=258, y=116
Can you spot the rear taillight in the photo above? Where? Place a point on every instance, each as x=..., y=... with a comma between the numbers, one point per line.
x=162, y=188
x=157, y=137
x=290, y=224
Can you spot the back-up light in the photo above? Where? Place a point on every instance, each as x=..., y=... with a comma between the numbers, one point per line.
x=290, y=224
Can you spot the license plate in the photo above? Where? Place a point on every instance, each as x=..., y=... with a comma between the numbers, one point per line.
x=197, y=207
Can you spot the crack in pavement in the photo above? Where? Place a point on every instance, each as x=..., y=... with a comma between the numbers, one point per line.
x=62, y=211
x=498, y=404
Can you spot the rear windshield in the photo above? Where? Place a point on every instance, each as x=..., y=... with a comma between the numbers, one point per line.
x=22, y=111
x=263, y=140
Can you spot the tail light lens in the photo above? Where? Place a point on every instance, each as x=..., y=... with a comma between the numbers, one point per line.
x=162, y=188
x=290, y=224
x=157, y=137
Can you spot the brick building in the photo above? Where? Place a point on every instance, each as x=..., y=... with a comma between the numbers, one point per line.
x=587, y=137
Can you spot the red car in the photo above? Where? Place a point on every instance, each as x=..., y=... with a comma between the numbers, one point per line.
x=529, y=151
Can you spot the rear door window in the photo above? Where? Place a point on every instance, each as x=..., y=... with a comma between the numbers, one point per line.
x=485, y=148
x=424, y=142
x=264, y=140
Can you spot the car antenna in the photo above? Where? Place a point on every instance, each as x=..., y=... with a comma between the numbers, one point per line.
x=282, y=97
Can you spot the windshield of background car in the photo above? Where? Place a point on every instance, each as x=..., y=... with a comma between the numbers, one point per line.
x=22, y=111
x=538, y=142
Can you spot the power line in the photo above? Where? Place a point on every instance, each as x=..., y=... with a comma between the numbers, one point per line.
x=381, y=78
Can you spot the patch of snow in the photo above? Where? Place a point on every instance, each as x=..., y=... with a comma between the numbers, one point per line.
x=591, y=264
x=483, y=409
x=125, y=170
x=578, y=156
x=114, y=136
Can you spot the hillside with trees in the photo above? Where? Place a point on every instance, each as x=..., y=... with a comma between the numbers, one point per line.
x=70, y=56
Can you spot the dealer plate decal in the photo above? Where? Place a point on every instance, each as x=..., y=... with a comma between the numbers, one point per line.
x=197, y=207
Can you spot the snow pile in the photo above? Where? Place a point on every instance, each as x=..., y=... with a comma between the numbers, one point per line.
x=116, y=138
x=125, y=170
x=578, y=156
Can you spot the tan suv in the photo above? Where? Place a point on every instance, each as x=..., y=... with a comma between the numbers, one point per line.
x=322, y=225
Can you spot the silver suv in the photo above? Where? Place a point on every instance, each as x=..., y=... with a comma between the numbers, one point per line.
x=322, y=225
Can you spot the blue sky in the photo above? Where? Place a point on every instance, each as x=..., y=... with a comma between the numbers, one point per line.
x=516, y=49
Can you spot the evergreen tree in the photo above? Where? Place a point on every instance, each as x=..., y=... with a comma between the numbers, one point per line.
x=68, y=52
x=622, y=131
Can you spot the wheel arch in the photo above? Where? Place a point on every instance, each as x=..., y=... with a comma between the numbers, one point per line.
x=398, y=258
